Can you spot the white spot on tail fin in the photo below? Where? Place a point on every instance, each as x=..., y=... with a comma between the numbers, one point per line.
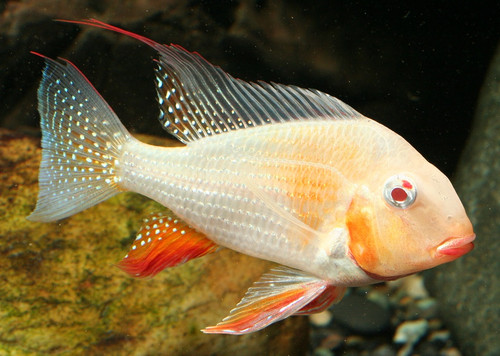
x=73, y=176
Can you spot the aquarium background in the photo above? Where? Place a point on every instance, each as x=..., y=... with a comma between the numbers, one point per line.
x=417, y=69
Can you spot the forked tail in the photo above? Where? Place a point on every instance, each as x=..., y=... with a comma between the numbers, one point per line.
x=82, y=139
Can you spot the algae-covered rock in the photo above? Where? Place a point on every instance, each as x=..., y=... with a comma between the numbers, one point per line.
x=468, y=289
x=60, y=292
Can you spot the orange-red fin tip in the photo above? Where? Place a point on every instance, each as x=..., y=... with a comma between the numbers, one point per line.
x=277, y=295
x=164, y=241
x=331, y=295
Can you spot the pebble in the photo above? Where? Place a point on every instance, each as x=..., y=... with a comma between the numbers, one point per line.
x=332, y=341
x=435, y=324
x=414, y=287
x=354, y=341
x=426, y=308
x=451, y=351
x=320, y=351
x=426, y=348
x=321, y=319
x=411, y=331
x=379, y=297
x=406, y=350
x=439, y=336
x=384, y=350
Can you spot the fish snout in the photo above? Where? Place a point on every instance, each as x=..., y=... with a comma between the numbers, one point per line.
x=455, y=246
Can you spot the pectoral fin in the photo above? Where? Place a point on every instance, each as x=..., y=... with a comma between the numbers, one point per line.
x=164, y=241
x=278, y=294
x=331, y=295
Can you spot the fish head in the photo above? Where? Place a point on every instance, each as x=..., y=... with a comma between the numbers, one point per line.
x=406, y=222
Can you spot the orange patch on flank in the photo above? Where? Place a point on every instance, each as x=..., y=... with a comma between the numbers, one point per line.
x=312, y=190
x=164, y=241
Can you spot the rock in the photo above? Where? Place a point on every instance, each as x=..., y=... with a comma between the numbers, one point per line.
x=361, y=315
x=414, y=286
x=321, y=319
x=428, y=308
x=427, y=348
x=451, y=351
x=61, y=294
x=441, y=336
x=468, y=288
x=322, y=352
x=379, y=297
x=332, y=341
x=321, y=338
x=354, y=341
x=384, y=350
x=422, y=309
x=410, y=332
x=435, y=324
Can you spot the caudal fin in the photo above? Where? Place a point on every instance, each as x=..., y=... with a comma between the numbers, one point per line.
x=82, y=139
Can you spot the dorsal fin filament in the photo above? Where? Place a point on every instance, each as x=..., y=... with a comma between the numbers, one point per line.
x=198, y=99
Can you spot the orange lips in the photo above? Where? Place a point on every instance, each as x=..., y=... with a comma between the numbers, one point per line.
x=456, y=246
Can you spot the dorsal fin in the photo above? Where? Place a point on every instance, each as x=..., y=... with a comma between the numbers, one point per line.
x=198, y=99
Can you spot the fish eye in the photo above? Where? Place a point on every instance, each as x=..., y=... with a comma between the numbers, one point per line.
x=400, y=191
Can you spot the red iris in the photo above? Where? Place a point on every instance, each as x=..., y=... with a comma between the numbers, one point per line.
x=399, y=194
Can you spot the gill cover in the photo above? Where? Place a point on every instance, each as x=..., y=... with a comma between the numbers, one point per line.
x=379, y=230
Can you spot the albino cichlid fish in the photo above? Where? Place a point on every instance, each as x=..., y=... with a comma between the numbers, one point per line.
x=281, y=173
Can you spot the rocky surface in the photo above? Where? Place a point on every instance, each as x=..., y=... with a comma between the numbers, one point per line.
x=469, y=289
x=60, y=292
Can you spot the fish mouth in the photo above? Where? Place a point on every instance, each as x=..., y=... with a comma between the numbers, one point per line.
x=456, y=246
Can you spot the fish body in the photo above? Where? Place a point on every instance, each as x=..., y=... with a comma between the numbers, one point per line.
x=253, y=192
x=280, y=173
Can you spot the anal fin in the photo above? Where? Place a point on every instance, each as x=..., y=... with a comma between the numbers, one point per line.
x=164, y=241
x=278, y=294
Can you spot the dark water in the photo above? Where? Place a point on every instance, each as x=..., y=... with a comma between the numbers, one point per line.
x=417, y=69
